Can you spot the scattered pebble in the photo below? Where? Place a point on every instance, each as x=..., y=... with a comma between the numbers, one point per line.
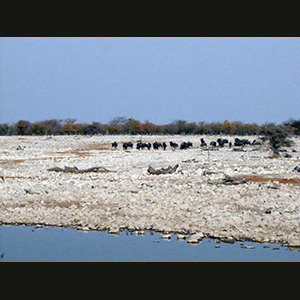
x=193, y=201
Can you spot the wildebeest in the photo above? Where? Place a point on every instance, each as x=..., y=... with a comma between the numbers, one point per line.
x=222, y=142
x=156, y=145
x=114, y=144
x=164, y=145
x=141, y=145
x=213, y=143
x=173, y=145
x=127, y=145
x=246, y=142
x=296, y=169
x=203, y=144
x=185, y=145
x=255, y=142
x=239, y=142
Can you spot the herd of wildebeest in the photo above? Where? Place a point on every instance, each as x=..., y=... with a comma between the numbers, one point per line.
x=185, y=145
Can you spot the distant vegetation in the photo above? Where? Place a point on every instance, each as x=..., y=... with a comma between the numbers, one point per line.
x=276, y=138
x=122, y=125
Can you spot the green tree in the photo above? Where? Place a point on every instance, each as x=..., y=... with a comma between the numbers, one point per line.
x=132, y=127
x=22, y=127
x=149, y=128
x=38, y=129
x=90, y=130
x=180, y=126
x=118, y=121
x=276, y=137
x=5, y=129
x=295, y=124
x=73, y=128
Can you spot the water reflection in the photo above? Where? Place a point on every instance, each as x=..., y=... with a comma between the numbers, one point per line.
x=27, y=243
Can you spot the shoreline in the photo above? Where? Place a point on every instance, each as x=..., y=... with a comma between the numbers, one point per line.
x=188, y=238
x=192, y=201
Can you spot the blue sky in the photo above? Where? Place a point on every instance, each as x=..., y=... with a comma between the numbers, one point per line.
x=157, y=79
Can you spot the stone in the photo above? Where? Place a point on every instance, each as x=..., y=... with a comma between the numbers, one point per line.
x=228, y=239
x=168, y=170
x=248, y=247
x=195, y=238
x=114, y=229
x=294, y=243
x=166, y=236
x=181, y=237
x=182, y=202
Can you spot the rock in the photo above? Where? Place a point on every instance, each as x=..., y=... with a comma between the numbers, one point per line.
x=228, y=239
x=294, y=243
x=71, y=170
x=30, y=192
x=195, y=238
x=55, y=169
x=238, y=149
x=228, y=180
x=166, y=236
x=248, y=247
x=179, y=203
x=181, y=237
x=95, y=169
x=168, y=170
x=76, y=170
x=114, y=229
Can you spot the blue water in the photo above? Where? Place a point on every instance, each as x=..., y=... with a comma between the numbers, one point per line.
x=51, y=244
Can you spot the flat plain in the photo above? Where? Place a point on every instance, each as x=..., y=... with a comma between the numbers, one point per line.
x=237, y=193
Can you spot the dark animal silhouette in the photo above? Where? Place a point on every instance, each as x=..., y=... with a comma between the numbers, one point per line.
x=239, y=142
x=203, y=144
x=127, y=145
x=173, y=145
x=156, y=145
x=255, y=142
x=141, y=145
x=222, y=142
x=185, y=145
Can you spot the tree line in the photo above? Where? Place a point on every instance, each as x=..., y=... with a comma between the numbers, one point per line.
x=122, y=125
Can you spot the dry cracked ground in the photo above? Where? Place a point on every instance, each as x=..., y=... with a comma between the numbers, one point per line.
x=262, y=204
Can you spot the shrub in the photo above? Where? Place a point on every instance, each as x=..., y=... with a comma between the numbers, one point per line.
x=276, y=138
x=295, y=124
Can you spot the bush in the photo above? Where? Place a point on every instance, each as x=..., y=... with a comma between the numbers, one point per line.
x=22, y=127
x=123, y=125
x=295, y=124
x=276, y=138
